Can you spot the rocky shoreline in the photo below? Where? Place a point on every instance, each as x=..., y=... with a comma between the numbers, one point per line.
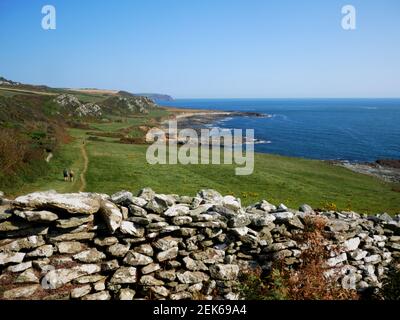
x=93, y=246
x=198, y=120
x=384, y=169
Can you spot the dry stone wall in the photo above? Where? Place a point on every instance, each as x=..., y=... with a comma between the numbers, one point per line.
x=153, y=246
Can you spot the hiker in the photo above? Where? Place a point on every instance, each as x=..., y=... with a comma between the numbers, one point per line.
x=66, y=175
x=71, y=175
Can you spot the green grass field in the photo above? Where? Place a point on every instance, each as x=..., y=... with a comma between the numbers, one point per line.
x=114, y=166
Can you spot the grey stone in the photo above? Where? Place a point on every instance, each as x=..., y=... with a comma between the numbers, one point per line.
x=145, y=249
x=11, y=257
x=23, y=243
x=103, y=295
x=224, y=271
x=306, y=209
x=89, y=279
x=69, y=247
x=148, y=280
x=21, y=292
x=168, y=254
x=194, y=265
x=283, y=215
x=210, y=196
x=190, y=277
x=38, y=216
x=160, y=291
x=137, y=211
x=176, y=210
x=231, y=203
x=152, y=267
x=137, y=259
x=72, y=237
x=74, y=222
x=43, y=251
x=104, y=242
x=111, y=265
x=336, y=260
x=111, y=214
x=118, y=250
x=28, y=276
x=74, y=203
x=90, y=256
x=147, y=194
x=209, y=256
x=181, y=220
x=20, y=267
x=122, y=197
x=181, y=296
x=80, y=291
x=166, y=243
x=240, y=220
x=168, y=275
x=126, y=294
x=55, y=279
x=351, y=244
x=124, y=275
x=128, y=227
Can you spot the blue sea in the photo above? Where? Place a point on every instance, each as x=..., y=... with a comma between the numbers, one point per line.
x=326, y=129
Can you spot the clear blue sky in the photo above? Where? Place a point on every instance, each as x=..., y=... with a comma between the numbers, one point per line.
x=206, y=48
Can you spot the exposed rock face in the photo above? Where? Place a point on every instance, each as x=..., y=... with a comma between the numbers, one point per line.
x=74, y=107
x=173, y=247
x=126, y=102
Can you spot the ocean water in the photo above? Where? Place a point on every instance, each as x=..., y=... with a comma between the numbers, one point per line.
x=326, y=129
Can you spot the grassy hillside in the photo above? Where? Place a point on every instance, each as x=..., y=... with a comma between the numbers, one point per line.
x=35, y=119
x=114, y=166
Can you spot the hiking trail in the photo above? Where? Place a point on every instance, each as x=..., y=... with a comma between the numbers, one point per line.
x=85, y=167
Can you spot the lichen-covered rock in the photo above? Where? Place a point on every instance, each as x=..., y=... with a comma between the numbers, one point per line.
x=23, y=243
x=126, y=294
x=224, y=271
x=73, y=203
x=122, y=197
x=74, y=222
x=190, y=277
x=124, y=275
x=167, y=254
x=41, y=252
x=176, y=210
x=209, y=256
x=21, y=292
x=128, y=227
x=11, y=257
x=166, y=243
x=55, y=279
x=81, y=291
x=111, y=215
x=28, y=276
x=90, y=256
x=148, y=280
x=102, y=295
x=70, y=247
x=137, y=259
x=37, y=216
x=118, y=250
